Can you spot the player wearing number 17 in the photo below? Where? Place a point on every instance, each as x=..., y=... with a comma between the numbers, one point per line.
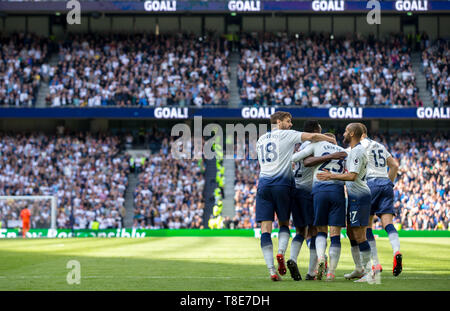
x=359, y=196
x=275, y=185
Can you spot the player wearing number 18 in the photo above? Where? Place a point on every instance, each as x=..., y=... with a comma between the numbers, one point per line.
x=275, y=184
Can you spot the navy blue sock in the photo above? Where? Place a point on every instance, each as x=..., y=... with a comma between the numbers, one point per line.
x=364, y=250
x=322, y=234
x=335, y=241
x=285, y=229
x=393, y=237
x=369, y=235
x=267, y=250
x=364, y=246
x=334, y=252
x=390, y=228
x=312, y=243
x=312, y=255
x=266, y=239
x=299, y=238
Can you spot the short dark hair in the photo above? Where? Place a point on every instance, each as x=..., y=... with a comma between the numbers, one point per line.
x=311, y=126
x=329, y=134
x=363, y=127
x=279, y=115
x=356, y=128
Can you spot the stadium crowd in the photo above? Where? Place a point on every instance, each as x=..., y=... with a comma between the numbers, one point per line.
x=23, y=65
x=185, y=70
x=139, y=70
x=88, y=175
x=84, y=171
x=435, y=62
x=169, y=193
x=422, y=188
x=317, y=71
x=421, y=192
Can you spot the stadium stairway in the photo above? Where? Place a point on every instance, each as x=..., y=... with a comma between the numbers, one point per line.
x=421, y=81
x=43, y=88
x=42, y=93
x=129, y=200
x=208, y=191
x=228, y=202
x=234, y=90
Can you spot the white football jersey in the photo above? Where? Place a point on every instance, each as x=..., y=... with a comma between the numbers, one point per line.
x=303, y=175
x=320, y=149
x=275, y=151
x=377, y=156
x=357, y=163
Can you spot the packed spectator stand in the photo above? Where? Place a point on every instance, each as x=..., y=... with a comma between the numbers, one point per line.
x=435, y=65
x=297, y=70
x=320, y=71
x=23, y=67
x=139, y=70
x=85, y=171
x=170, y=190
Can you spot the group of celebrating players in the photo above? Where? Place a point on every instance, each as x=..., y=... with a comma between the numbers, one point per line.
x=311, y=186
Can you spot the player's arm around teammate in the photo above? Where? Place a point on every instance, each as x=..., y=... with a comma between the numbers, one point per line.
x=302, y=209
x=359, y=196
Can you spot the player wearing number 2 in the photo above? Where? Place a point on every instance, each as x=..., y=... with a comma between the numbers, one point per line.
x=359, y=196
x=329, y=203
x=275, y=184
x=380, y=182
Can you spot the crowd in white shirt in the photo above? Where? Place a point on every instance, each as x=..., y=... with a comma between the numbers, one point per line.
x=85, y=172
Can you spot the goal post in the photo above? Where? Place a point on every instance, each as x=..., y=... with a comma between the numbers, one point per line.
x=52, y=199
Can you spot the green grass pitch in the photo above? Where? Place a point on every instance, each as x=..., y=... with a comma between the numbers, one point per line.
x=202, y=264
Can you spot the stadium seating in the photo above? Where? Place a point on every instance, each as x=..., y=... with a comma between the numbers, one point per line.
x=84, y=171
x=316, y=71
x=422, y=189
x=185, y=70
x=23, y=66
x=170, y=192
x=87, y=174
x=435, y=60
x=139, y=70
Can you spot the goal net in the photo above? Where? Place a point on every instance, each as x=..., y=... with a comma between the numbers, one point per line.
x=42, y=209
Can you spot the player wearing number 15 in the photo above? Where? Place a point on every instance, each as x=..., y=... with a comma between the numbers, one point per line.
x=275, y=184
x=380, y=182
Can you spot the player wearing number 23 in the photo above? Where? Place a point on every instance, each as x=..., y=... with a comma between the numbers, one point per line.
x=328, y=201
